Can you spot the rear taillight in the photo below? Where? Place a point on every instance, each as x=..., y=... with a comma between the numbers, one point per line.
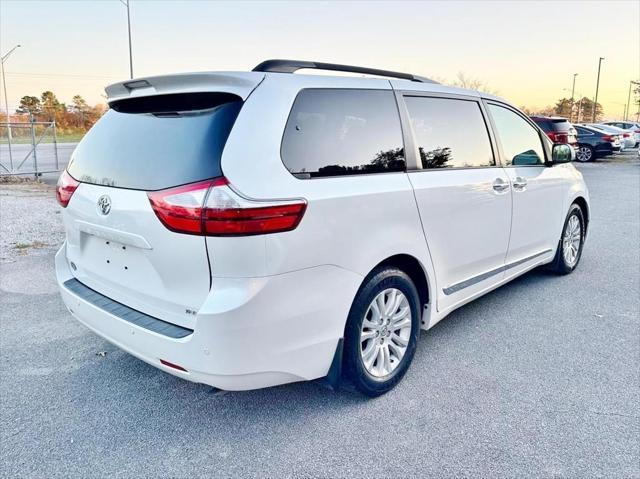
x=607, y=138
x=65, y=188
x=213, y=208
x=636, y=131
x=626, y=135
x=558, y=136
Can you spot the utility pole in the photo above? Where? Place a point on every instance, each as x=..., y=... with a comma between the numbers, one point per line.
x=573, y=89
x=126, y=4
x=595, y=101
x=626, y=110
x=3, y=58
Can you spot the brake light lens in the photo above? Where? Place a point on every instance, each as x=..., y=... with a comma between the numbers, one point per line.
x=558, y=136
x=213, y=208
x=65, y=188
x=626, y=135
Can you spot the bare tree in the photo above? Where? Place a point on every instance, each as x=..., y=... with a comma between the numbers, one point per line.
x=464, y=81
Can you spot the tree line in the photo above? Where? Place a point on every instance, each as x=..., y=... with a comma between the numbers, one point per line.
x=75, y=117
x=580, y=110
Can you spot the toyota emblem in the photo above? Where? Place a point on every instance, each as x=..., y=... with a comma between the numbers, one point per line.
x=104, y=205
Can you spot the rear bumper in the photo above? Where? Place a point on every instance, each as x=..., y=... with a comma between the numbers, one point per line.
x=250, y=332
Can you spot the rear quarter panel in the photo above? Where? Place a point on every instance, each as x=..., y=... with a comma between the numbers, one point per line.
x=352, y=222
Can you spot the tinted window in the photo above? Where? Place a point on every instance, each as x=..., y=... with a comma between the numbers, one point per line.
x=148, y=152
x=343, y=132
x=583, y=131
x=560, y=125
x=553, y=124
x=520, y=142
x=449, y=133
x=543, y=124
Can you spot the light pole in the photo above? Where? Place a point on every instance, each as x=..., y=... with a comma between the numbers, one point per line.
x=595, y=101
x=573, y=89
x=126, y=4
x=626, y=112
x=579, y=105
x=579, y=108
x=6, y=102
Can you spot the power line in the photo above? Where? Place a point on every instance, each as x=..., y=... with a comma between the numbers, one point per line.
x=61, y=75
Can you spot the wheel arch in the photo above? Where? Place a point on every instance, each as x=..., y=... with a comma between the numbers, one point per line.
x=416, y=271
x=584, y=206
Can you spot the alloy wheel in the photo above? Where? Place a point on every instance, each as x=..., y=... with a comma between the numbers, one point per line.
x=584, y=154
x=385, y=333
x=572, y=240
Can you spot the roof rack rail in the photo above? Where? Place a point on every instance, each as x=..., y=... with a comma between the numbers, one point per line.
x=290, y=66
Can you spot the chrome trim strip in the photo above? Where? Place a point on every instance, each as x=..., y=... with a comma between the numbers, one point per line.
x=481, y=277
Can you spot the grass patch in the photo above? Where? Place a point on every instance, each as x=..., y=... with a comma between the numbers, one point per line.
x=24, y=246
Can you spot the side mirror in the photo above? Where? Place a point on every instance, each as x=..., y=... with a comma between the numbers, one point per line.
x=562, y=153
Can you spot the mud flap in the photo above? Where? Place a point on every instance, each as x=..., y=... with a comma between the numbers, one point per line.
x=333, y=379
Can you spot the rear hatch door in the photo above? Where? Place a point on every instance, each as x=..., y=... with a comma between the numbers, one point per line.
x=116, y=244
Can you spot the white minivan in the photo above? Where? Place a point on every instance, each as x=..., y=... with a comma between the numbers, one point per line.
x=248, y=229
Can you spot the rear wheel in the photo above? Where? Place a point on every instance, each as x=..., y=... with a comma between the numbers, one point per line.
x=382, y=332
x=585, y=153
x=570, y=245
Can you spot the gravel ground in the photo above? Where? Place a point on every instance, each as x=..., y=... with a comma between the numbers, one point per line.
x=539, y=378
x=29, y=220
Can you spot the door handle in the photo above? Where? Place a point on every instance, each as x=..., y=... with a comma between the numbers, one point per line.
x=500, y=186
x=519, y=183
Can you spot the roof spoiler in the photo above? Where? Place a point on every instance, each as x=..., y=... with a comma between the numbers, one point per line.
x=240, y=84
x=291, y=66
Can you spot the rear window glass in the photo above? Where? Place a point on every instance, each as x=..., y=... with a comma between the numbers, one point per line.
x=543, y=124
x=553, y=124
x=560, y=125
x=343, y=132
x=148, y=151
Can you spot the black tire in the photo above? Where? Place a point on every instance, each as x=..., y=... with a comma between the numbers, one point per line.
x=585, y=153
x=354, y=370
x=559, y=264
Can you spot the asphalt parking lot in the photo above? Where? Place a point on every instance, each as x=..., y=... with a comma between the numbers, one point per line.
x=537, y=379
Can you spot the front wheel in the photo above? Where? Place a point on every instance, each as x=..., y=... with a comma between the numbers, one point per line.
x=382, y=331
x=571, y=243
x=585, y=153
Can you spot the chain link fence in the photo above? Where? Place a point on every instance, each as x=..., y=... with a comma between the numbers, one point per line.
x=28, y=148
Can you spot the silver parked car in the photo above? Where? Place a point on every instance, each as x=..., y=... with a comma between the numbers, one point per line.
x=631, y=127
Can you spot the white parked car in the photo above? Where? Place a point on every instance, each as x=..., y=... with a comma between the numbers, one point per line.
x=257, y=228
x=631, y=127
